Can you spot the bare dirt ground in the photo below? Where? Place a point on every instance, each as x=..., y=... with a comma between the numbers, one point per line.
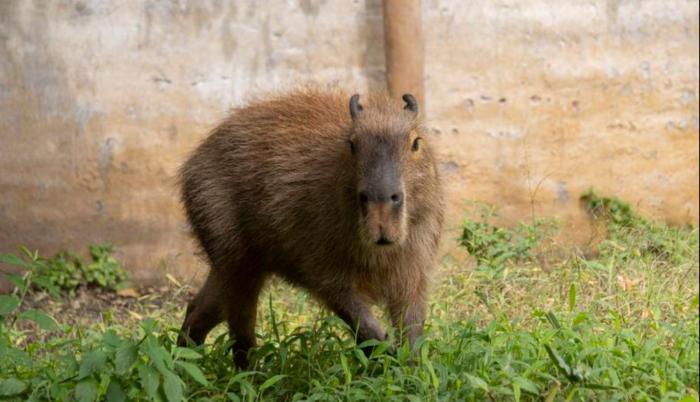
x=89, y=305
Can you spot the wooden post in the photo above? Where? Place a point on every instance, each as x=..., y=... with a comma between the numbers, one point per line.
x=403, y=43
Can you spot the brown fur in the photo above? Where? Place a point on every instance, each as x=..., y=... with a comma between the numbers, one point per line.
x=273, y=190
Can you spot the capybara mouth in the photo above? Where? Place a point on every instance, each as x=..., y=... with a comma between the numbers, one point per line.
x=383, y=241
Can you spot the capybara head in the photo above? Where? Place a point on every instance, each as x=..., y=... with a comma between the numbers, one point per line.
x=390, y=158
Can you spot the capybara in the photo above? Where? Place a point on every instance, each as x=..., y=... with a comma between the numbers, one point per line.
x=337, y=195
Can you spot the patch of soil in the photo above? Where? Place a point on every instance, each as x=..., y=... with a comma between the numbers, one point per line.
x=87, y=306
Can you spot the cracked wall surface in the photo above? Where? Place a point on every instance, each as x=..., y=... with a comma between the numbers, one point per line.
x=530, y=102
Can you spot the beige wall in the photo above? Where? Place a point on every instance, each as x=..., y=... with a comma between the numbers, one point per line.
x=531, y=101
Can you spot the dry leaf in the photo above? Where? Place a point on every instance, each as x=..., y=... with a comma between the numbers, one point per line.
x=627, y=284
x=135, y=315
x=128, y=292
x=173, y=280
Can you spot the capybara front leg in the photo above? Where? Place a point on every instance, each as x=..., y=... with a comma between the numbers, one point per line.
x=350, y=307
x=408, y=317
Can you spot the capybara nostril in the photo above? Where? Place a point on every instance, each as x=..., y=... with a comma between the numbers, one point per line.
x=363, y=197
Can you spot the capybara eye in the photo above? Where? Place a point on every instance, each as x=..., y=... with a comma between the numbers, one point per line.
x=352, y=146
x=416, y=144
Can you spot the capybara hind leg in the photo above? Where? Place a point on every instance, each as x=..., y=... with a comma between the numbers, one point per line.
x=203, y=314
x=241, y=297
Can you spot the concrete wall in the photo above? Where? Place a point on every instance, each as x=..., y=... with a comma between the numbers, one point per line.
x=531, y=102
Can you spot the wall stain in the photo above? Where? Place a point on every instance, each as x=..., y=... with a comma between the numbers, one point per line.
x=562, y=192
x=145, y=32
x=311, y=7
x=106, y=155
x=370, y=30
x=612, y=8
x=82, y=9
x=228, y=40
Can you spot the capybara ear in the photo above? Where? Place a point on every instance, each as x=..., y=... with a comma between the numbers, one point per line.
x=411, y=103
x=355, y=107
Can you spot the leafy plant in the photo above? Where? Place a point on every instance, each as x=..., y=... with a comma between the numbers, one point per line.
x=631, y=236
x=104, y=271
x=65, y=272
x=493, y=246
x=579, y=331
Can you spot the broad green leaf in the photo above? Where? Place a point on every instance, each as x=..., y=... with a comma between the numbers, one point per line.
x=433, y=376
x=111, y=338
x=572, y=297
x=8, y=304
x=16, y=280
x=172, y=386
x=148, y=325
x=580, y=317
x=149, y=380
x=241, y=380
x=45, y=283
x=187, y=353
x=86, y=391
x=91, y=363
x=272, y=381
x=194, y=372
x=18, y=357
x=346, y=369
x=12, y=259
x=115, y=392
x=44, y=321
x=526, y=385
x=553, y=320
x=125, y=357
x=477, y=382
x=595, y=265
x=562, y=365
x=360, y=355
x=11, y=386
x=159, y=356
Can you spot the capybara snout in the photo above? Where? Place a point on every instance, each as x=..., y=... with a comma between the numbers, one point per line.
x=382, y=213
x=384, y=223
x=382, y=217
x=344, y=203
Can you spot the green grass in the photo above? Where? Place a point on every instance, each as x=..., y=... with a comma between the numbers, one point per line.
x=616, y=323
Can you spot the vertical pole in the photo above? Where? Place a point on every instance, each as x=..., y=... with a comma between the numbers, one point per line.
x=403, y=43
